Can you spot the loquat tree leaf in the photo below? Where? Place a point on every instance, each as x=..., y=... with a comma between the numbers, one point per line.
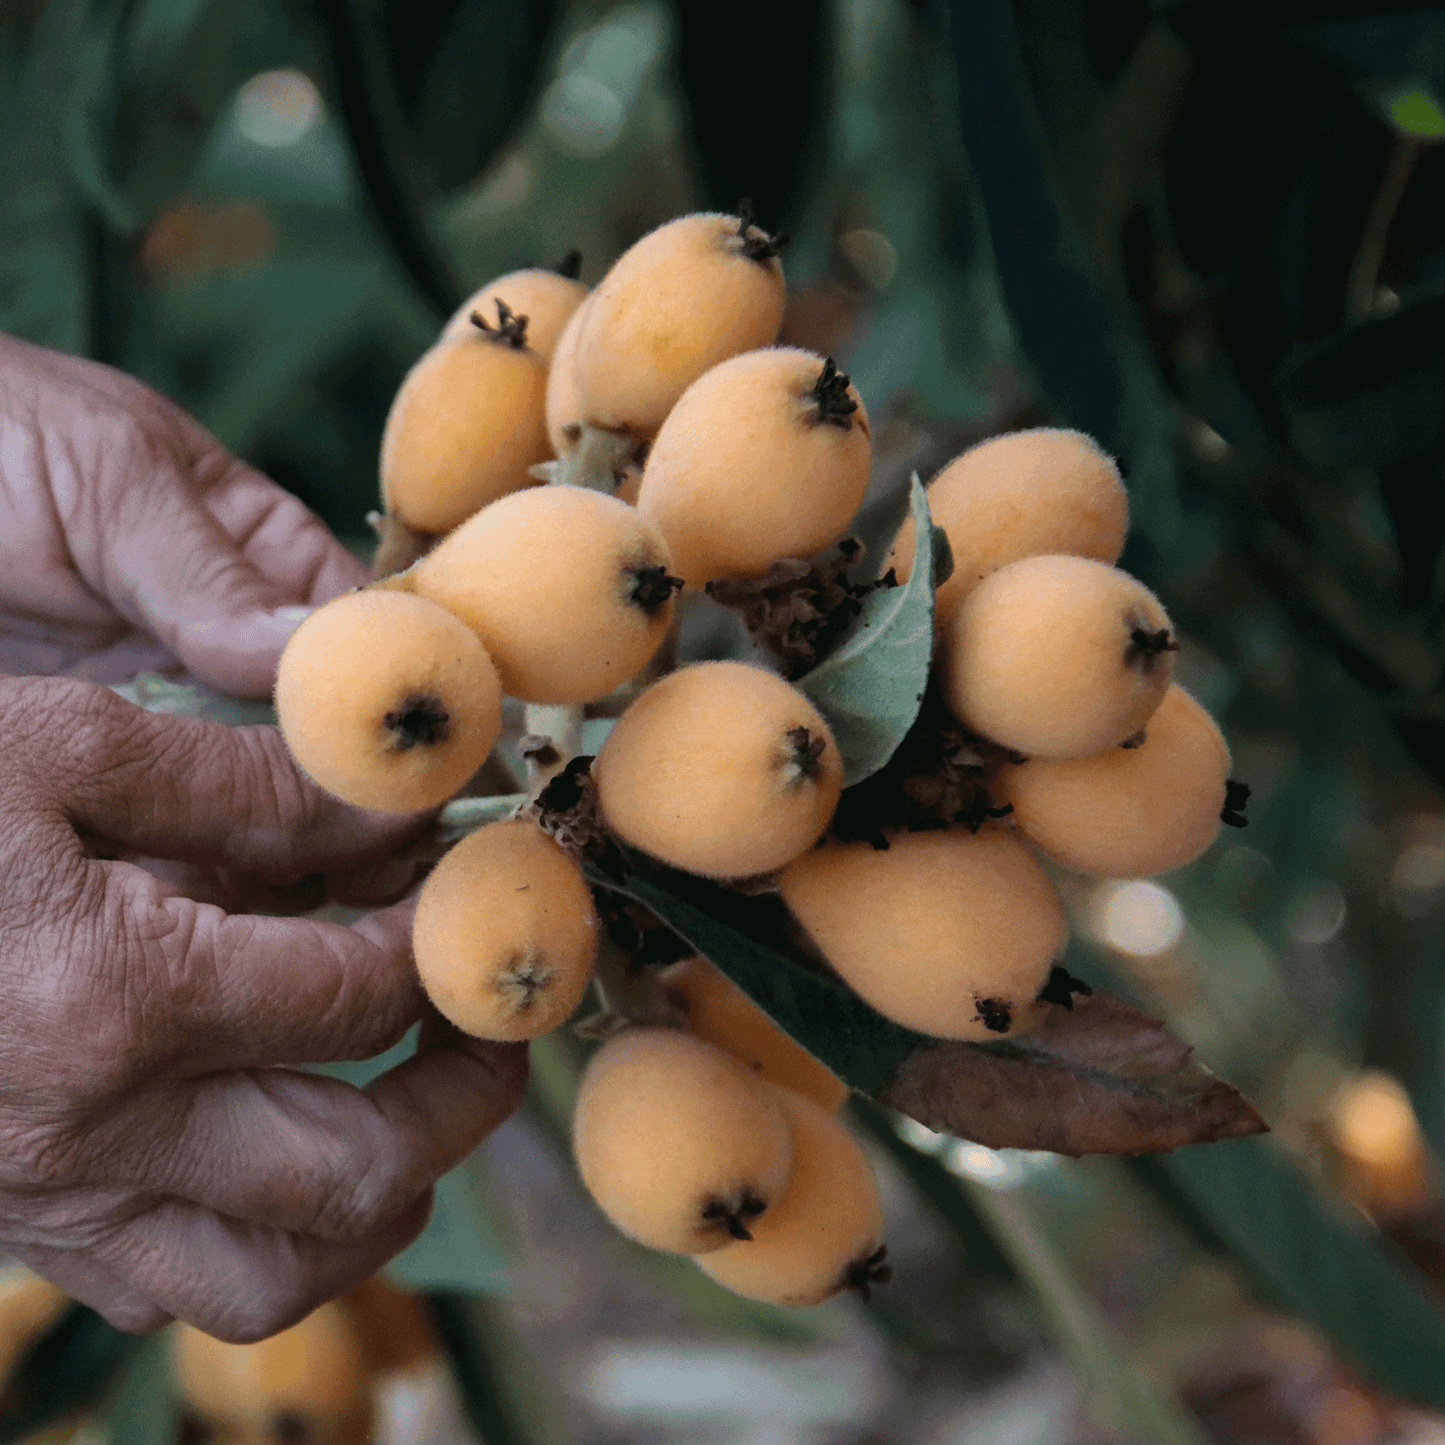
x=1095, y=1077
x=1247, y=1202
x=870, y=687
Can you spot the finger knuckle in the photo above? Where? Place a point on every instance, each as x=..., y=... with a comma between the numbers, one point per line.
x=266, y=1306
x=372, y=1189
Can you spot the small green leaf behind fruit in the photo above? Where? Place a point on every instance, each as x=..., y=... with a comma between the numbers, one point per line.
x=870, y=687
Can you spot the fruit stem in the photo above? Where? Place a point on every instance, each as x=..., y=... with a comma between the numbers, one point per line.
x=552, y=738
x=397, y=545
x=601, y=456
x=630, y=992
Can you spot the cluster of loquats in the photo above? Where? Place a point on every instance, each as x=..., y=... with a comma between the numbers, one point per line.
x=565, y=465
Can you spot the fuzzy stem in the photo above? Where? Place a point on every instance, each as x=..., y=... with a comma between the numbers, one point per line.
x=561, y=725
x=599, y=454
x=633, y=993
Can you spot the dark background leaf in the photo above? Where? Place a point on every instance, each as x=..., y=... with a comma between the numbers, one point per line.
x=1244, y=1200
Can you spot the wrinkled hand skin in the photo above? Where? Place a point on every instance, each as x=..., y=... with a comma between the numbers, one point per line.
x=161, y=1157
x=129, y=537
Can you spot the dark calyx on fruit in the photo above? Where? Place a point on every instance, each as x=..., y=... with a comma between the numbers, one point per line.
x=996, y=1014
x=720, y=1211
x=510, y=330
x=863, y=1274
x=1144, y=646
x=757, y=245
x=1236, y=795
x=807, y=750
x=421, y=721
x=652, y=587
x=830, y=395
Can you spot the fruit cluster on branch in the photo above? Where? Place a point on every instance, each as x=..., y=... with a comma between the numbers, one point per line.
x=683, y=453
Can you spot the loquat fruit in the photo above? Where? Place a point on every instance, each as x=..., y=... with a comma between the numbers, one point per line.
x=680, y=1145
x=505, y=933
x=720, y=1012
x=686, y=296
x=1145, y=807
x=764, y=456
x=1022, y=494
x=305, y=1383
x=825, y=1234
x=721, y=769
x=947, y=932
x=465, y=426
x=546, y=298
x=568, y=589
x=387, y=701
x=1056, y=656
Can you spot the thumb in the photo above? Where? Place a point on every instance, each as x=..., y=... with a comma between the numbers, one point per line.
x=175, y=571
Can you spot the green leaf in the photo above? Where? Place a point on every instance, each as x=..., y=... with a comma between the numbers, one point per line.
x=459, y=1250
x=66, y=1369
x=1243, y=1199
x=1414, y=111
x=1097, y=1077
x=870, y=687
x=144, y=1405
x=739, y=934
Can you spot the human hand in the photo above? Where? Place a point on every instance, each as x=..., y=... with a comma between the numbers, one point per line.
x=130, y=537
x=155, y=1158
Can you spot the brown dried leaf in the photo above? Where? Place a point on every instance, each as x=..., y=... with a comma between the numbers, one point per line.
x=1097, y=1078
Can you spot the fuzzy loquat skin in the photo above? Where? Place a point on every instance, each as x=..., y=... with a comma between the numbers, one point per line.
x=312, y=1374
x=563, y=417
x=505, y=934
x=947, y=932
x=757, y=462
x=387, y=701
x=1056, y=657
x=680, y=300
x=1130, y=811
x=721, y=769
x=464, y=427
x=1022, y=494
x=720, y=1012
x=565, y=586
x=818, y=1239
x=544, y=297
x=680, y=1145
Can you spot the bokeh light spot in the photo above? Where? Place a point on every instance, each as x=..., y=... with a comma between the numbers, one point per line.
x=277, y=107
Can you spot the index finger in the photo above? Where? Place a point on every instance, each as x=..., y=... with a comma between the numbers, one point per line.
x=197, y=791
x=239, y=991
x=281, y=537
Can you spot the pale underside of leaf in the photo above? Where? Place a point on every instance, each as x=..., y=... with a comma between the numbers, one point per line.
x=1098, y=1078
x=870, y=687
